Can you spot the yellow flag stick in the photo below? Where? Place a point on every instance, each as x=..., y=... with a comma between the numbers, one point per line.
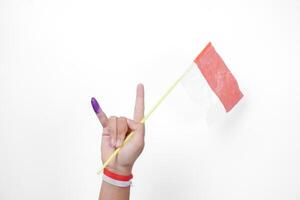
x=162, y=98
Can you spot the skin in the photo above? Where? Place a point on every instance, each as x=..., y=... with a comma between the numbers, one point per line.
x=114, y=133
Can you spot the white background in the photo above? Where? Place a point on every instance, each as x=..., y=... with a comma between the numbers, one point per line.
x=55, y=55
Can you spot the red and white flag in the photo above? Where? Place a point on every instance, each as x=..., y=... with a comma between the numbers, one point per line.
x=211, y=83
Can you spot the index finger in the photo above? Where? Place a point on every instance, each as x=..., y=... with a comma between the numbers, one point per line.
x=139, y=103
x=99, y=112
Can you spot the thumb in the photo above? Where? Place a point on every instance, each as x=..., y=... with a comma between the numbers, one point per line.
x=133, y=125
x=137, y=127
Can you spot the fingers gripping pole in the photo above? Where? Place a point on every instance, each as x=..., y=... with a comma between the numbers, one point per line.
x=162, y=98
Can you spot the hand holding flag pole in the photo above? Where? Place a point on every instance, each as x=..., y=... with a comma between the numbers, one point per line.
x=219, y=79
x=129, y=136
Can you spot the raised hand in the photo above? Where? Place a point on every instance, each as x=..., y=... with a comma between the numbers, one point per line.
x=115, y=130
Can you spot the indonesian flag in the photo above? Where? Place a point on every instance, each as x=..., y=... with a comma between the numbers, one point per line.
x=212, y=83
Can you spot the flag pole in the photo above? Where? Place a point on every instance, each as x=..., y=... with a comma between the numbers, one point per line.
x=161, y=99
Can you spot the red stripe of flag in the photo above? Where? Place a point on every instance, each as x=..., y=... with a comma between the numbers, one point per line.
x=219, y=77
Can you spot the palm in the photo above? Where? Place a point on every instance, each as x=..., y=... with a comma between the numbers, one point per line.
x=128, y=153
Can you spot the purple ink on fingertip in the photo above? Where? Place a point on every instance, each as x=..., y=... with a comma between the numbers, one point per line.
x=95, y=105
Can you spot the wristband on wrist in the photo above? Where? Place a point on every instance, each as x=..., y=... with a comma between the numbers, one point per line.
x=116, y=179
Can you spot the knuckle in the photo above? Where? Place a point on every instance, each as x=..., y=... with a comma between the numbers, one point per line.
x=112, y=117
x=123, y=118
x=106, y=131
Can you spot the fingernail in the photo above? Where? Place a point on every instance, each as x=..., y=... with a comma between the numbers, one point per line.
x=95, y=105
x=119, y=143
x=113, y=142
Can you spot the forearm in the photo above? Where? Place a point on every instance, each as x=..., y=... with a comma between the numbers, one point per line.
x=111, y=192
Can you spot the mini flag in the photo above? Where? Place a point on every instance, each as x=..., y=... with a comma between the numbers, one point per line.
x=218, y=77
x=211, y=84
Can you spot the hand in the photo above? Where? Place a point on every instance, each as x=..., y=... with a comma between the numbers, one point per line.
x=115, y=130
